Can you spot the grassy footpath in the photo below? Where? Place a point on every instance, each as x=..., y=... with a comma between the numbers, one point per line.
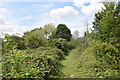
x=70, y=65
x=79, y=64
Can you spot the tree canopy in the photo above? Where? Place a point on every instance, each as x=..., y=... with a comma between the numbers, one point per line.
x=63, y=32
x=35, y=38
x=107, y=24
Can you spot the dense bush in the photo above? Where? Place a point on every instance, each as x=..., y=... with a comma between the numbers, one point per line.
x=40, y=65
x=8, y=45
x=19, y=41
x=81, y=42
x=107, y=56
x=35, y=39
x=60, y=44
x=37, y=63
x=74, y=43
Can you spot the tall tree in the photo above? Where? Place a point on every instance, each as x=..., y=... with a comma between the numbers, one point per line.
x=107, y=24
x=107, y=43
x=63, y=32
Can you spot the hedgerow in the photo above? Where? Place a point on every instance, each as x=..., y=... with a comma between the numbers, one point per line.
x=43, y=62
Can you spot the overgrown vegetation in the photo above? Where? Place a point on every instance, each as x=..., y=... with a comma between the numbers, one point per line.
x=35, y=55
x=98, y=53
x=41, y=53
x=43, y=62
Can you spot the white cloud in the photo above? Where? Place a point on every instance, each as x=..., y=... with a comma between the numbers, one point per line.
x=3, y=15
x=26, y=17
x=65, y=12
x=92, y=9
x=3, y=11
x=9, y=27
x=46, y=14
x=13, y=29
x=79, y=3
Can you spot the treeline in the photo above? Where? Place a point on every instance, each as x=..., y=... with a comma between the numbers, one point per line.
x=38, y=53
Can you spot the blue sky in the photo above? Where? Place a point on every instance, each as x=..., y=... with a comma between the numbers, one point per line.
x=19, y=17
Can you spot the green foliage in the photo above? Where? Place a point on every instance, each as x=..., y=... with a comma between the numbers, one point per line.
x=90, y=58
x=8, y=44
x=37, y=63
x=0, y=47
x=60, y=44
x=74, y=43
x=80, y=61
x=81, y=42
x=35, y=39
x=19, y=41
x=106, y=48
x=107, y=56
x=106, y=24
x=63, y=32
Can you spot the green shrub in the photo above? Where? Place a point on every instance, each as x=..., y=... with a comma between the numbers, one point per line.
x=35, y=39
x=74, y=43
x=39, y=63
x=19, y=41
x=8, y=45
x=80, y=42
x=17, y=64
x=60, y=44
x=108, y=59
